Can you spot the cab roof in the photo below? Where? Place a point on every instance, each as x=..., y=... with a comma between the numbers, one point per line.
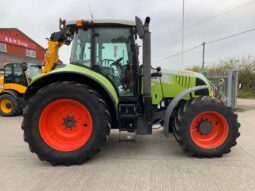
x=106, y=22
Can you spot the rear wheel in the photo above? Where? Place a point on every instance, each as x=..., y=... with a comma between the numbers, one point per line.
x=9, y=106
x=66, y=123
x=205, y=127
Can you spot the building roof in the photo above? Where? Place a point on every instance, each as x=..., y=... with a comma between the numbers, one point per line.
x=107, y=21
x=5, y=29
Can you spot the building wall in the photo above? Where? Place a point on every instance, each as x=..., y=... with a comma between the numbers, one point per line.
x=16, y=59
x=18, y=47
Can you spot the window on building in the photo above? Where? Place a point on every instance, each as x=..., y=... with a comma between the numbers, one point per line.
x=30, y=53
x=2, y=47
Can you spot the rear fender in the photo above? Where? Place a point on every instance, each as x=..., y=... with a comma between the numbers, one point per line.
x=104, y=88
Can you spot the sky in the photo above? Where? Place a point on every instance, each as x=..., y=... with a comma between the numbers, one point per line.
x=205, y=20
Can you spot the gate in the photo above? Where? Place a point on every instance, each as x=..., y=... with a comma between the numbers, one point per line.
x=225, y=86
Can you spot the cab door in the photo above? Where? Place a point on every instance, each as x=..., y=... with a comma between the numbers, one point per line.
x=114, y=58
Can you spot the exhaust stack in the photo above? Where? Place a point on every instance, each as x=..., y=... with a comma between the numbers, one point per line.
x=145, y=124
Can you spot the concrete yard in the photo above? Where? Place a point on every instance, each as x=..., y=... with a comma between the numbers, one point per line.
x=151, y=163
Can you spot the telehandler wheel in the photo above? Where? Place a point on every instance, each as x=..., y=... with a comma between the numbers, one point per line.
x=205, y=127
x=66, y=123
x=9, y=106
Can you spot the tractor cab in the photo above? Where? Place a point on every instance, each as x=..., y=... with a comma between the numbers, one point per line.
x=109, y=48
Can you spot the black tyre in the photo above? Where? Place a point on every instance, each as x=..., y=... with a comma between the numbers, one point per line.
x=9, y=106
x=66, y=123
x=205, y=127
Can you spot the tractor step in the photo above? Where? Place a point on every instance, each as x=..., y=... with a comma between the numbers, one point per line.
x=127, y=117
x=127, y=108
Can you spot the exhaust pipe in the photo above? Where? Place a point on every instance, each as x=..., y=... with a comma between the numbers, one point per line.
x=145, y=124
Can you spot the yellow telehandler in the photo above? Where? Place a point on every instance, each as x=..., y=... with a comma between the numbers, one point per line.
x=13, y=83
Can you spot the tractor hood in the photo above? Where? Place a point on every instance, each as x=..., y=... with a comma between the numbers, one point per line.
x=186, y=73
x=185, y=78
x=174, y=82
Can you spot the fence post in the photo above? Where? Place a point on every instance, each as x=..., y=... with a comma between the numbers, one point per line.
x=235, y=88
x=230, y=84
x=232, y=88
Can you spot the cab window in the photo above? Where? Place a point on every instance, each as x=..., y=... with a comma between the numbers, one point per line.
x=81, y=50
x=14, y=74
x=18, y=75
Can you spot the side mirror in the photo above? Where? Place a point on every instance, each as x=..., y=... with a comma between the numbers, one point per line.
x=139, y=27
x=62, y=24
x=156, y=74
x=158, y=69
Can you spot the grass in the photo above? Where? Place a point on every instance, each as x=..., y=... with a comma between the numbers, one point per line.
x=246, y=93
x=246, y=75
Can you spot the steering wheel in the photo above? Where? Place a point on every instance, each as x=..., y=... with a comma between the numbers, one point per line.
x=106, y=62
x=119, y=70
x=117, y=61
x=118, y=66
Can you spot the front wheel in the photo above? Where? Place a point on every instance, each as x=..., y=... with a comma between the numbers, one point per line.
x=66, y=123
x=9, y=106
x=205, y=127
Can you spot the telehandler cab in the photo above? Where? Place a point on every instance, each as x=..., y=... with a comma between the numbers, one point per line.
x=71, y=110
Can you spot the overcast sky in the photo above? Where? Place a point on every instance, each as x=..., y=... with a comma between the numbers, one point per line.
x=39, y=18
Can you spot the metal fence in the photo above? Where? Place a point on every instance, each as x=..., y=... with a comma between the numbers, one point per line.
x=225, y=86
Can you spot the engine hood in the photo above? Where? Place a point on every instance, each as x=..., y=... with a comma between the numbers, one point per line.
x=174, y=82
x=188, y=74
x=185, y=73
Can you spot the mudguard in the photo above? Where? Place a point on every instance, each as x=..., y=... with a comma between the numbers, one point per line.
x=174, y=103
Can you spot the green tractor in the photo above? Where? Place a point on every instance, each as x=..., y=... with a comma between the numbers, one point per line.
x=71, y=110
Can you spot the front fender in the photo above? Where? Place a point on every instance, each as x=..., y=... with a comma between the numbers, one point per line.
x=174, y=103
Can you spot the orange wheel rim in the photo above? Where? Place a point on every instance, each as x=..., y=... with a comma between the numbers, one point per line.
x=6, y=106
x=216, y=133
x=65, y=125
